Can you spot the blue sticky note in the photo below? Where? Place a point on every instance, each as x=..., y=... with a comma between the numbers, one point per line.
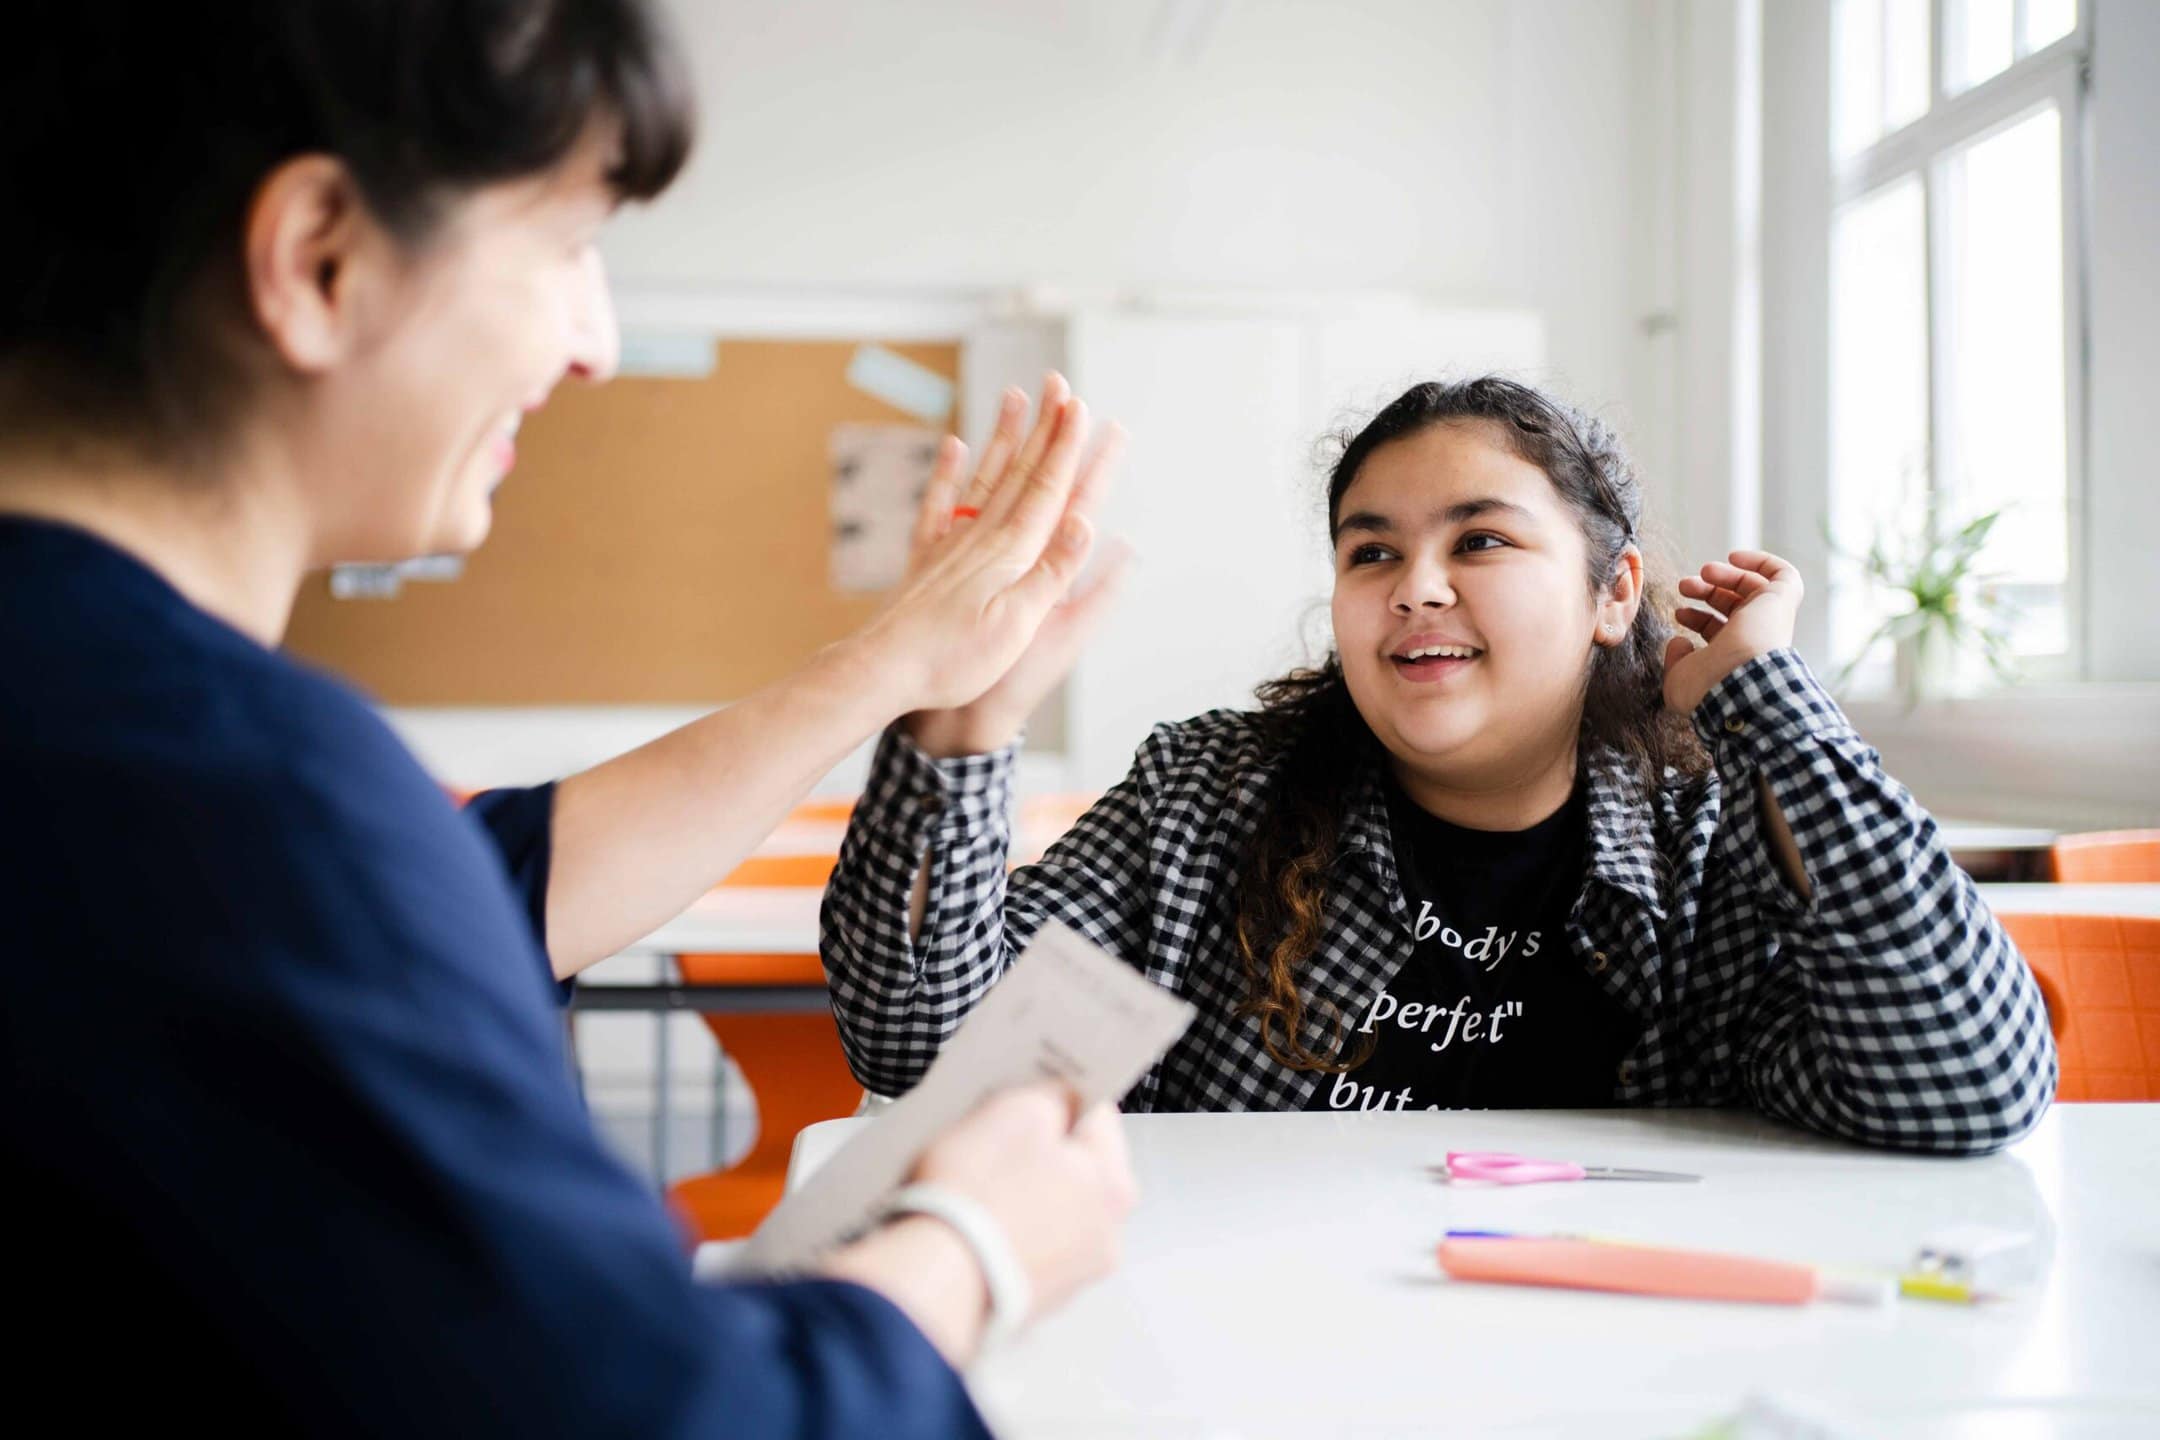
x=673, y=355
x=901, y=383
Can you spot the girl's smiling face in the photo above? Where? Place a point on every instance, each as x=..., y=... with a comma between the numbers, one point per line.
x=1462, y=608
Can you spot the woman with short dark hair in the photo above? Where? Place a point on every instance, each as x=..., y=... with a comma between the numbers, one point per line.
x=292, y=1139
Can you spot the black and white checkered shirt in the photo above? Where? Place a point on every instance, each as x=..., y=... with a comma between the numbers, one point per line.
x=1888, y=1008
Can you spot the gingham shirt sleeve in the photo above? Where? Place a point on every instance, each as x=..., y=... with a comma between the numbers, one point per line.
x=897, y=1001
x=1900, y=1014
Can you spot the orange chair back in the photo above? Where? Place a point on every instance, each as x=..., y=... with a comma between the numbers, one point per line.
x=792, y=1063
x=795, y=1069
x=783, y=870
x=825, y=811
x=2109, y=857
x=2100, y=976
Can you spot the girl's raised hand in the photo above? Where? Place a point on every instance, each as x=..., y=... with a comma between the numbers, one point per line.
x=1740, y=609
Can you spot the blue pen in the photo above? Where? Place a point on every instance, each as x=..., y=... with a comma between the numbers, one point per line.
x=1517, y=1235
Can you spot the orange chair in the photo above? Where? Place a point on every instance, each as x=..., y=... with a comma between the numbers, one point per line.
x=2108, y=857
x=783, y=870
x=2100, y=976
x=792, y=1062
x=829, y=810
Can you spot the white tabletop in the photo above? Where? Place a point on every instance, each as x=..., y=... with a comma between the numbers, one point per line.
x=2140, y=900
x=752, y=920
x=1982, y=835
x=742, y=920
x=1280, y=1280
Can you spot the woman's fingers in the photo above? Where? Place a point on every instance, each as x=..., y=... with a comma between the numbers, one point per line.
x=1003, y=444
x=934, y=515
x=1017, y=445
x=1101, y=1132
x=1034, y=500
x=1051, y=425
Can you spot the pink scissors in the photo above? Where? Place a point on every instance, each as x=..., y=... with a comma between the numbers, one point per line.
x=1499, y=1168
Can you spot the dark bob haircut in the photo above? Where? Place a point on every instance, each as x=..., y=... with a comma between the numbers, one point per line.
x=133, y=137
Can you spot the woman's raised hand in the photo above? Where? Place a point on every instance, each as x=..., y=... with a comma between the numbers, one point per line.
x=1024, y=639
x=1740, y=610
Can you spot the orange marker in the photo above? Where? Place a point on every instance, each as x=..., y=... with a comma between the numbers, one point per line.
x=1648, y=1270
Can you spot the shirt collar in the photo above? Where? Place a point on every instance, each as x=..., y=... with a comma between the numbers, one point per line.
x=1621, y=845
x=1623, y=841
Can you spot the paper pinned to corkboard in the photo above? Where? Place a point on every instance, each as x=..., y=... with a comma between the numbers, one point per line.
x=879, y=473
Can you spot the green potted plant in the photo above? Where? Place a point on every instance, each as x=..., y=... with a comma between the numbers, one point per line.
x=1951, y=606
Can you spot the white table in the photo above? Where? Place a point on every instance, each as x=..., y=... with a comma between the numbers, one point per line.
x=1280, y=1280
x=1960, y=835
x=2141, y=900
x=742, y=920
x=747, y=920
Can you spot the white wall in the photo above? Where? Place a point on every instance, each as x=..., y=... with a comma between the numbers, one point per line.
x=905, y=164
x=1469, y=151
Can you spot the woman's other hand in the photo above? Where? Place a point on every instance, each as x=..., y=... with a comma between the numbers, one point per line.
x=1058, y=1179
x=1057, y=1186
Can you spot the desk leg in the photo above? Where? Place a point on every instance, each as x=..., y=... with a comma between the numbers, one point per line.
x=716, y=1133
x=663, y=1118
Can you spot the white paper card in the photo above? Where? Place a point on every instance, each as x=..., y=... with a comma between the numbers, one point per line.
x=1066, y=1010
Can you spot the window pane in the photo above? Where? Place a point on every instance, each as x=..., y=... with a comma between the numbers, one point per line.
x=1880, y=70
x=1856, y=76
x=1878, y=394
x=2047, y=21
x=2008, y=442
x=1978, y=36
x=1905, y=62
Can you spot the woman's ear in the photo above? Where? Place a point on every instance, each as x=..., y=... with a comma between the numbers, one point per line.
x=1616, y=611
x=307, y=239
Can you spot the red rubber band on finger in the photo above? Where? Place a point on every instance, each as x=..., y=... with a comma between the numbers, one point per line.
x=965, y=512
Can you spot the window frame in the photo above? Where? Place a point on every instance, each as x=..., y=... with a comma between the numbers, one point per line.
x=2057, y=74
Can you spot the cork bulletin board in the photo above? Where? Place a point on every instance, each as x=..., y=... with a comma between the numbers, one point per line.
x=662, y=540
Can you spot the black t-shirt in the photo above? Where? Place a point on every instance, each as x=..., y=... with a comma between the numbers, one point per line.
x=1491, y=1010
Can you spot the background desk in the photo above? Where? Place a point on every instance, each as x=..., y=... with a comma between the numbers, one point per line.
x=1280, y=1281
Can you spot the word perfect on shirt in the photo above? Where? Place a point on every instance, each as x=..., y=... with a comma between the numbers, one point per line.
x=1463, y=1023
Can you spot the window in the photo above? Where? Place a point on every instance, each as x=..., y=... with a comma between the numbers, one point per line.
x=1955, y=336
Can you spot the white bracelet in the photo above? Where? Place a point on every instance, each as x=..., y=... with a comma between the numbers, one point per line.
x=1011, y=1295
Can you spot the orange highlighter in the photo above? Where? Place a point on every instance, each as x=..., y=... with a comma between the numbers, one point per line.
x=1649, y=1270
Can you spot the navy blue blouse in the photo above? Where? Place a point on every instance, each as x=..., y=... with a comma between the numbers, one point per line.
x=291, y=1136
